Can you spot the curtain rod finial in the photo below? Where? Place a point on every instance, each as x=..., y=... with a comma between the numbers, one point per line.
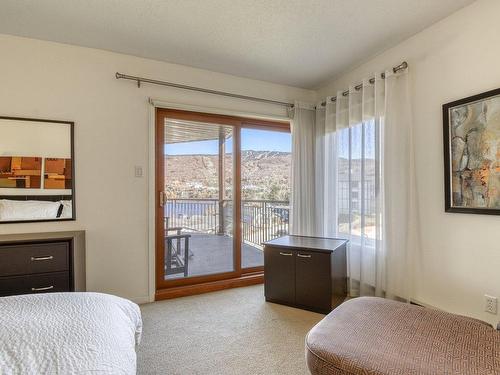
x=401, y=66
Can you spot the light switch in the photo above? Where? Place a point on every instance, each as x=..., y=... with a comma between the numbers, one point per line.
x=138, y=171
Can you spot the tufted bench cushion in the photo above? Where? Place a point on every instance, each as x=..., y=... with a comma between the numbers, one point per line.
x=375, y=336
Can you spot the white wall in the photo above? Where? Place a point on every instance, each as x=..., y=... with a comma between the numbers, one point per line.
x=455, y=58
x=49, y=80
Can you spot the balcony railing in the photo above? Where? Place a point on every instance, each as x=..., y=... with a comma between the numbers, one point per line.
x=262, y=220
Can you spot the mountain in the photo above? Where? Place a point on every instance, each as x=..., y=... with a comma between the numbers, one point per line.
x=264, y=175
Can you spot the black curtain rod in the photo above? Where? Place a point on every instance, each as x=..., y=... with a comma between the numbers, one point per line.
x=140, y=80
x=395, y=69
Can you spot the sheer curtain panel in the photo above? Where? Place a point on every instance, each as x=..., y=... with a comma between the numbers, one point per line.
x=353, y=177
x=359, y=120
x=327, y=169
x=400, y=229
x=303, y=204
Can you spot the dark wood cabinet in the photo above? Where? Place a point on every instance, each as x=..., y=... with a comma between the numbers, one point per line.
x=36, y=267
x=306, y=272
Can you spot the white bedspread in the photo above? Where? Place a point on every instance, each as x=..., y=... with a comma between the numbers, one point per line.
x=68, y=333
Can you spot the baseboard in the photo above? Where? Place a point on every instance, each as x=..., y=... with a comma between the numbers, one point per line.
x=189, y=290
x=423, y=304
x=141, y=300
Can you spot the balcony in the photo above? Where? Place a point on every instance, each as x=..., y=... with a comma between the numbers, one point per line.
x=205, y=227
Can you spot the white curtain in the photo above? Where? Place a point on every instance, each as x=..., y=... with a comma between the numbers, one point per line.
x=303, y=204
x=353, y=177
x=400, y=230
x=359, y=120
x=326, y=172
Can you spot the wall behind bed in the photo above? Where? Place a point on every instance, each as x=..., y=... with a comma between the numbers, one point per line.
x=455, y=58
x=49, y=80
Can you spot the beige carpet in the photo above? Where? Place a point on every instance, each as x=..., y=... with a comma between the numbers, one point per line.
x=229, y=332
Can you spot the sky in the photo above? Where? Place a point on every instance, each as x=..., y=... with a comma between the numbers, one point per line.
x=264, y=140
x=251, y=139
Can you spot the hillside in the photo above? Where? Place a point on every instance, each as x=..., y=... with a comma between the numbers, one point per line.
x=264, y=175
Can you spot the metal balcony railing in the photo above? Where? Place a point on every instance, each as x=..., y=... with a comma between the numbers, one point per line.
x=262, y=220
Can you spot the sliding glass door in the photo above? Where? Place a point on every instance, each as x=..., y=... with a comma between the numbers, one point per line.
x=223, y=187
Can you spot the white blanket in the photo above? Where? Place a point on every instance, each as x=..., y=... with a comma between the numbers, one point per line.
x=68, y=333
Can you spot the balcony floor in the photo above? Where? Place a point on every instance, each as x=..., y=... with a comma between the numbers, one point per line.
x=214, y=254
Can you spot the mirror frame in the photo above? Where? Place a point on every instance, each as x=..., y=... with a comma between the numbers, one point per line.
x=72, y=147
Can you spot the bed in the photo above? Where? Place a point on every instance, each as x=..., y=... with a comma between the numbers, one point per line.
x=68, y=333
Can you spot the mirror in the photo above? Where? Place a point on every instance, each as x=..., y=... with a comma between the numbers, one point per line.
x=36, y=170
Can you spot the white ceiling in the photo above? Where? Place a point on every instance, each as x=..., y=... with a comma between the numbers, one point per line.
x=300, y=43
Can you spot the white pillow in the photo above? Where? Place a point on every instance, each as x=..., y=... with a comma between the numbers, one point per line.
x=67, y=211
x=11, y=210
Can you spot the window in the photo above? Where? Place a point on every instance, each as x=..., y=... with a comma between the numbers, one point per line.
x=357, y=181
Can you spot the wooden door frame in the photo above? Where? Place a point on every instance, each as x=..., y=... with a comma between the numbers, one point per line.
x=165, y=289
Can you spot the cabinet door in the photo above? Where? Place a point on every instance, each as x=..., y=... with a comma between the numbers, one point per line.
x=313, y=287
x=279, y=274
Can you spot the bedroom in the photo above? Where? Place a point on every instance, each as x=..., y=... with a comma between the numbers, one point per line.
x=59, y=63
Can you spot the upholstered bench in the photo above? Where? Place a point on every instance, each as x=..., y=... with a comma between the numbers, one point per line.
x=375, y=336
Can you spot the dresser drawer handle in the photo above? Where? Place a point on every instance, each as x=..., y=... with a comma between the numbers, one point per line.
x=48, y=257
x=303, y=256
x=44, y=288
x=286, y=254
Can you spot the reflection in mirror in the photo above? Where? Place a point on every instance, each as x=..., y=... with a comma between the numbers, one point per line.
x=57, y=173
x=21, y=172
x=29, y=148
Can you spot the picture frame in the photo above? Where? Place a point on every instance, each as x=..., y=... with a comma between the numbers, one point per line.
x=471, y=128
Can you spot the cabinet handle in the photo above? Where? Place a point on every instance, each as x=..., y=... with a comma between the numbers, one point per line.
x=303, y=256
x=286, y=254
x=48, y=257
x=44, y=288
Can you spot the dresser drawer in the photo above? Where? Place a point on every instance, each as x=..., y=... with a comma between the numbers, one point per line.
x=42, y=283
x=22, y=259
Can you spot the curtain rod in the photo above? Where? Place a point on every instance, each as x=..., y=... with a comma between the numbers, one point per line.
x=398, y=68
x=140, y=80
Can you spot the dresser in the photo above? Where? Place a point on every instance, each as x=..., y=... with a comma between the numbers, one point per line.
x=42, y=263
x=306, y=272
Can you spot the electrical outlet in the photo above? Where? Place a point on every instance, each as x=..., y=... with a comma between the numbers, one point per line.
x=138, y=171
x=490, y=304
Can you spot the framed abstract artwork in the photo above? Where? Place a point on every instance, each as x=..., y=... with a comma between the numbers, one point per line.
x=471, y=133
